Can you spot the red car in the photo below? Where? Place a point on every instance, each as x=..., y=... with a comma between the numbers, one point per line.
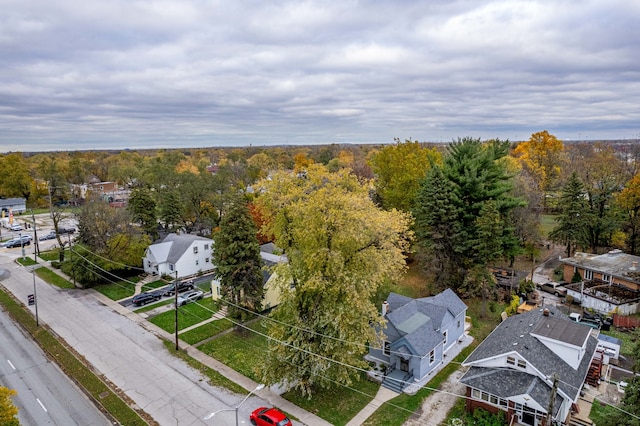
x=264, y=416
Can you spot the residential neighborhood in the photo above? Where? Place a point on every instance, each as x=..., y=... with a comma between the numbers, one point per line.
x=314, y=287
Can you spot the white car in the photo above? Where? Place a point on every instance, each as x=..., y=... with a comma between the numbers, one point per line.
x=190, y=296
x=16, y=227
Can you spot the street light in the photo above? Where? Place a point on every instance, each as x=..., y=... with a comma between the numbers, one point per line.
x=208, y=416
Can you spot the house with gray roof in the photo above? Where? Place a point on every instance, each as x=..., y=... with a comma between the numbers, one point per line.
x=418, y=334
x=516, y=368
x=181, y=254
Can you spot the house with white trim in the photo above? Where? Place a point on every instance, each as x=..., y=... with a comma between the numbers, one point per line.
x=184, y=254
x=532, y=363
x=418, y=335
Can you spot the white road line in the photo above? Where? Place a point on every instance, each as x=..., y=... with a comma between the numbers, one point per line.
x=11, y=364
x=42, y=405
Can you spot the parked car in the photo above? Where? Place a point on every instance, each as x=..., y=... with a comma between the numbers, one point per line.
x=63, y=231
x=24, y=240
x=16, y=227
x=190, y=296
x=554, y=288
x=50, y=236
x=264, y=416
x=182, y=287
x=146, y=297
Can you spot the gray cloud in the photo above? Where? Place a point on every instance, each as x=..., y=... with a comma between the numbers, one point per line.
x=81, y=75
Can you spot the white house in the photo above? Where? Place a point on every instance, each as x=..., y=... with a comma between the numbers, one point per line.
x=183, y=254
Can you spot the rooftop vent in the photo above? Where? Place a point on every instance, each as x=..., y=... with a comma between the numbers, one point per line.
x=545, y=312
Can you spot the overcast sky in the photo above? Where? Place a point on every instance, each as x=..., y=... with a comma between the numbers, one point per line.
x=85, y=74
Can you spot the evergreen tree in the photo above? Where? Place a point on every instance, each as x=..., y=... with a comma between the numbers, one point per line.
x=571, y=228
x=452, y=210
x=143, y=210
x=236, y=256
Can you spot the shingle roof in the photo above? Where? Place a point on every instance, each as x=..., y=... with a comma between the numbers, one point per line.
x=513, y=335
x=506, y=383
x=417, y=322
x=173, y=246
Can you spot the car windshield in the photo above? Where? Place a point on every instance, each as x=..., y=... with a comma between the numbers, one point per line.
x=283, y=422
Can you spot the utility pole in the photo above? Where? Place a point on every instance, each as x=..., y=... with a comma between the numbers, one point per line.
x=35, y=296
x=73, y=269
x=36, y=246
x=175, y=293
x=554, y=390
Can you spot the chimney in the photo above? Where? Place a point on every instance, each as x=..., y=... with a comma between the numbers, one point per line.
x=634, y=266
x=385, y=308
x=545, y=312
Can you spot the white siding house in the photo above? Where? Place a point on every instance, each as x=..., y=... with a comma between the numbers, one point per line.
x=183, y=254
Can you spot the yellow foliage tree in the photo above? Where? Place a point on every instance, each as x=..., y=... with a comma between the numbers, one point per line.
x=541, y=156
x=8, y=411
x=340, y=248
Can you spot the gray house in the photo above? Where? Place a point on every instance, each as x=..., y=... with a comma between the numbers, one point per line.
x=418, y=335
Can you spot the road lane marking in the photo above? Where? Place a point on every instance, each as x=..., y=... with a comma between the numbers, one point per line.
x=42, y=405
x=11, y=364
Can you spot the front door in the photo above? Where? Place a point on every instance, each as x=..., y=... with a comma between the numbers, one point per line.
x=404, y=365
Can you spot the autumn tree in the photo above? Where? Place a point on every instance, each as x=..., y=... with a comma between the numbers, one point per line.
x=572, y=223
x=541, y=157
x=236, y=257
x=340, y=249
x=603, y=174
x=8, y=411
x=16, y=179
x=398, y=171
x=628, y=201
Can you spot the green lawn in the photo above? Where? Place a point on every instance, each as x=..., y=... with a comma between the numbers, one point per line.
x=205, y=331
x=627, y=339
x=153, y=285
x=240, y=350
x=26, y=261
x=50, y=255
x=188, y=315
x=52, y=278
x=118, y=290
x=339, y=404
x=547, y=223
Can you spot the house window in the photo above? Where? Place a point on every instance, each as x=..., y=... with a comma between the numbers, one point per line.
x=171, y=268
x=206, y=260
x=386, y=348
x=511, y=360
x=458, y=323
x=197, y=262
x=588, y=275
x=522, y=364
x=206, y=246
x=195, y=250
x=445, y=337
x=606, y=278
x=493, y=399
x=432, y=356
x=475, y=393
x=502, y=402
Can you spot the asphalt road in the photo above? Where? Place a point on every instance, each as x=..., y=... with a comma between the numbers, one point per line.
x=45, y=395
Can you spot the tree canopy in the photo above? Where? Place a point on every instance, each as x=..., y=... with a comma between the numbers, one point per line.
x=340, y=249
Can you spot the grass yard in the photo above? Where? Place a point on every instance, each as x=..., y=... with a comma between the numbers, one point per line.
x=547, y=223
x=26, y=261
x=339, y=404
x=152, y=285
x=188, y=315
x=52, y=278
x=205, y=331
x=118, y=290
x=49, y=256
x=627, y=338
x=241, y=350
